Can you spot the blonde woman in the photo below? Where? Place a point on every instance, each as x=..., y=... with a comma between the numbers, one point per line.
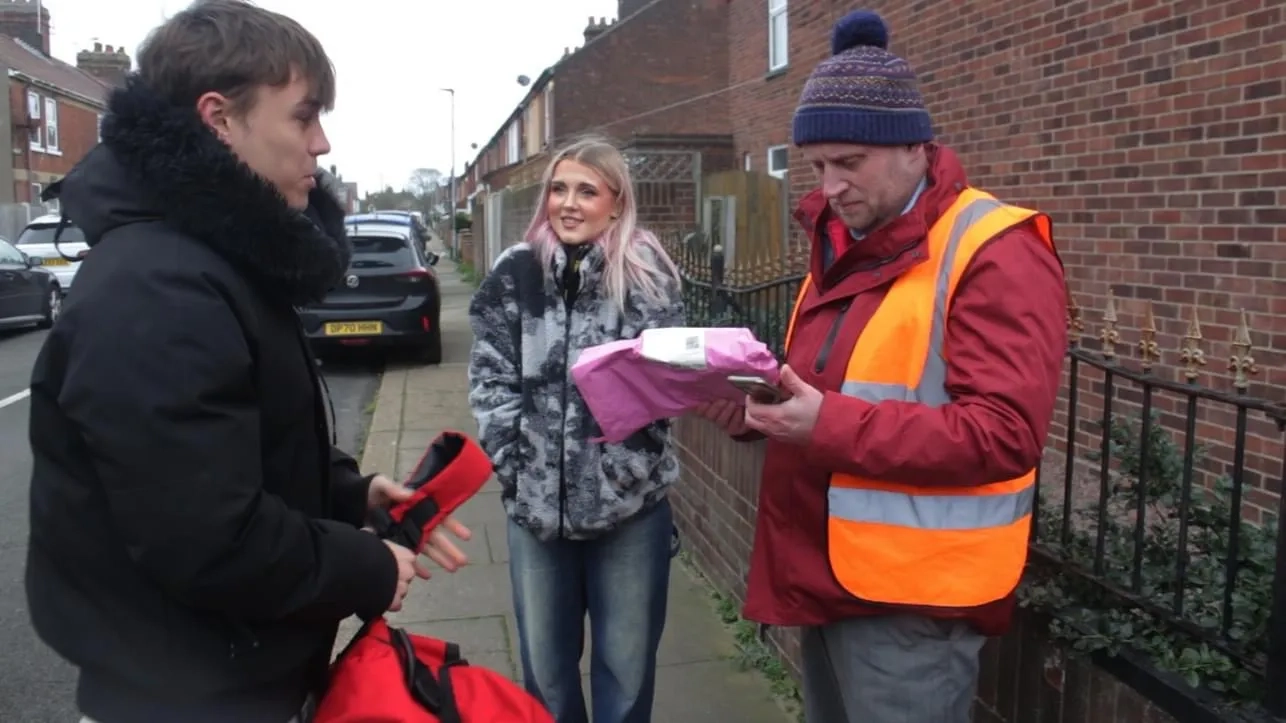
x=589, y=523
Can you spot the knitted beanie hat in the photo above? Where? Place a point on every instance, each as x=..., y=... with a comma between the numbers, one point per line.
x=862, y=93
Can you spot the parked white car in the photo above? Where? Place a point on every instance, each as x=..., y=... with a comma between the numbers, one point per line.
x=37, y=241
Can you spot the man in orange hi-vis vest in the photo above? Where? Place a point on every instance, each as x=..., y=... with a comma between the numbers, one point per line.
x=922, y=367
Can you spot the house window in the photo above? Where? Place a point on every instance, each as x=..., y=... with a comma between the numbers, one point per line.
x=513, y=142
x=51, y=125
x=100, y=127
x=778, y=161
x=778, y=35
x=745, y=161
x=33, y=112
x=36, y=190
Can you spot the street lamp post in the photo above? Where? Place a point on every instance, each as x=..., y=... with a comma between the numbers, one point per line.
x=455, y=242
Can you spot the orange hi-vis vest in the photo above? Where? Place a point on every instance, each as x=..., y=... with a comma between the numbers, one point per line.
x=915, y=545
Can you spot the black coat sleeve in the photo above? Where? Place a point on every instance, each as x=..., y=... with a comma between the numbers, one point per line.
x=349, y=488
x=160, y=383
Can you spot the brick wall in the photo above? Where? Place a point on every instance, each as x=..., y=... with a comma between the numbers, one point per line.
x=760, y=103
x=1152, y=131
x=675, y=49
x=626, y=8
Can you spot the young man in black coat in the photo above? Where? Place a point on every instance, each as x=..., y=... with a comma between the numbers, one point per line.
x=195, y=536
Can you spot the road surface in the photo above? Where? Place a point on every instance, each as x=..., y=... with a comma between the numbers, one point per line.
x=37, y=686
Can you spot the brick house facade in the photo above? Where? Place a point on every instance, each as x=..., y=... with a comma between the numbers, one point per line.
x=53, y=128
x=53, y=109
x=640, y=76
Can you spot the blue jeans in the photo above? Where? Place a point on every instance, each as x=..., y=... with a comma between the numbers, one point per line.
x=621, y=580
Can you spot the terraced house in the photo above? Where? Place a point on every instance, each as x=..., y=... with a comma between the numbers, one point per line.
x=652, y=80
x=53, y=109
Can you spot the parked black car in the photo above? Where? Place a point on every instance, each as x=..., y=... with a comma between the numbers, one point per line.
x=401, y=218
x=29, y=294
x=389, y=297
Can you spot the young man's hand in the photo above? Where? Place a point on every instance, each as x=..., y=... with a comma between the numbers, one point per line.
x=407, y=570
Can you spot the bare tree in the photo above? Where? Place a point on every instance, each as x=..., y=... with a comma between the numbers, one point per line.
x=424, y=181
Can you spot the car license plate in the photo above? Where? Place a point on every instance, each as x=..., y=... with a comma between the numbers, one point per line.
x=354, y=328
x=55, y=261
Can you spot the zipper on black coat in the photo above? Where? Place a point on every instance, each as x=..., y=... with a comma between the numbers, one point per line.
x=824, y=354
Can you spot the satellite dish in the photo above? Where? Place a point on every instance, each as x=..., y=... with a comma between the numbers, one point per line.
x=524, y=80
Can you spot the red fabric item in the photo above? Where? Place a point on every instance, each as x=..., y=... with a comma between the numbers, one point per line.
x=387, y=675
x=451, y=471
x=373, y=683
x=1005, y=343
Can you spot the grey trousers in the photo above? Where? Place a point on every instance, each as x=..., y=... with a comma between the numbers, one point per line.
x=890, y=669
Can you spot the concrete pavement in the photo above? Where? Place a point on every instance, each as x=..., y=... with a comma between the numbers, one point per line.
x=697, y=678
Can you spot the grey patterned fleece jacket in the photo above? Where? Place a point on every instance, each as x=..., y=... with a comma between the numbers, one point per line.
x=531, y=418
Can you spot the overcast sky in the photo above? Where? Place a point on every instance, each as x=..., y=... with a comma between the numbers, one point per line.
x=391, y=58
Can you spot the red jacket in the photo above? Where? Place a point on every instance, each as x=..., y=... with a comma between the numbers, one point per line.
x=1005, y=339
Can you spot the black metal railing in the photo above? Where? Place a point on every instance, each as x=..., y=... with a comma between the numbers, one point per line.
x=1145, y=537
x=760, y=297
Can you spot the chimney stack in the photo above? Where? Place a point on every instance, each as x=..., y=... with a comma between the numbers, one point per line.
x=595, y=29
x=109, y=64
x=19, y=19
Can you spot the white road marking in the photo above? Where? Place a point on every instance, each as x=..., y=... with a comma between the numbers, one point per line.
x=14, y=398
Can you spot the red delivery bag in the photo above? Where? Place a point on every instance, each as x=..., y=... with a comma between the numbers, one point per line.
x=387, y=675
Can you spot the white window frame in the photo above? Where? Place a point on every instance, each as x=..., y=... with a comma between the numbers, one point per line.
x=35, y=133
x=778, y=172
x=778, y=35
x=746, y=164
x=514, y=147
x=51, y=127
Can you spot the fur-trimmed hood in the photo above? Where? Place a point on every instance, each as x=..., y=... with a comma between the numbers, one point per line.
x=161, y=162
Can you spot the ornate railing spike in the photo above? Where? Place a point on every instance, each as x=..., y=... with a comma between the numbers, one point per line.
x=1241, y=362
x=1075, y=324
x=1109, y=334
x=1149, y=350
x=1191, y=354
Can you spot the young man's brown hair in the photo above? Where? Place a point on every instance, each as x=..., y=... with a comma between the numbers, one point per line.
x=232, y=47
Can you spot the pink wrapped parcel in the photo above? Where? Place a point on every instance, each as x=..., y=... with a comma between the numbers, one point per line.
x=664, y=373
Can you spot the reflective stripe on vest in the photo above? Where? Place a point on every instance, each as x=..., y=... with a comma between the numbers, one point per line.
x=939, y=546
